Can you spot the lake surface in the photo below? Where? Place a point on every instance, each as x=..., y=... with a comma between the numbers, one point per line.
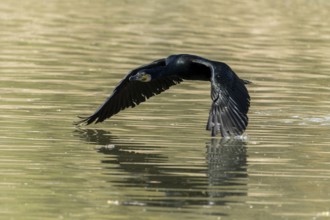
x=60, y=59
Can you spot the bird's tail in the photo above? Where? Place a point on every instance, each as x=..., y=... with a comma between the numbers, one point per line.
x=246, y=81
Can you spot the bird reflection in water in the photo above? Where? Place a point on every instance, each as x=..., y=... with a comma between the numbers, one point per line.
x=225, y=171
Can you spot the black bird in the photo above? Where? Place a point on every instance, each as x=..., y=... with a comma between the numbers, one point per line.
x=230, y=98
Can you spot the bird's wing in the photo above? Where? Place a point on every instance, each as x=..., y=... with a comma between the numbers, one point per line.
x=131, y=93
x=230, y=101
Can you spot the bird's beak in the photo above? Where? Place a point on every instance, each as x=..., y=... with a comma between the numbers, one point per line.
x=141, y=76
x=133, y=78
x=137, y=77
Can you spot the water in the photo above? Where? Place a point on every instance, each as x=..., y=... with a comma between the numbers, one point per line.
x=60, y=59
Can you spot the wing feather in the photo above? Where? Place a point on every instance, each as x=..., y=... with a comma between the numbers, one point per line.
x=231, y=97
x=230, y=100
x=131, y=93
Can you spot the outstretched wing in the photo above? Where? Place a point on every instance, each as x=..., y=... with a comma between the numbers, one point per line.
x=230, y=101
x=131, y=93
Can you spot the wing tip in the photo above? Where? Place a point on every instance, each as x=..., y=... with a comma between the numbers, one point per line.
x=85, y=120
x=226, y=124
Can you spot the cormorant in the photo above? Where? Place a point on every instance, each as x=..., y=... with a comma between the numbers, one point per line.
x=230, y=98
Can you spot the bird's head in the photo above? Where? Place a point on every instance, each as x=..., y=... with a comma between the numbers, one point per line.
x=141, y=76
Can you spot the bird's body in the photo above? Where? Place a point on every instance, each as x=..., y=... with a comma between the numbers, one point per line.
x=230, y=98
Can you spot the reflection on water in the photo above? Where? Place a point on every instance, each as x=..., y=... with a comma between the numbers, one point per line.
x=226, y=163
x=212, y=185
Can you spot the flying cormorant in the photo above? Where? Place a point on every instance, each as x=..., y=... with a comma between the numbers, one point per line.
x=230, y=98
